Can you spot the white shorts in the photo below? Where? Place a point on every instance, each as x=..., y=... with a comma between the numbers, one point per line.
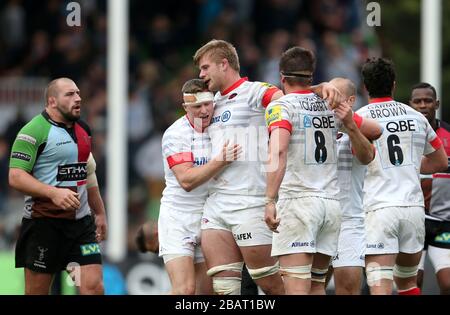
x=395, y=229
x=307, y=225
x=351, y=244
x=241, y=215
x=179, y=233
x=439, y=257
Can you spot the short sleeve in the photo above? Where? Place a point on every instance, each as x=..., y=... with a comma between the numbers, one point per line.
x=176, y=149
x=278, y=116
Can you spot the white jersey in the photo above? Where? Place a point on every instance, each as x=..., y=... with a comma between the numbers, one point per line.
x=239, y=118
x=393, y=176
x=311, y=169
x=351, y=174
x=181, y=143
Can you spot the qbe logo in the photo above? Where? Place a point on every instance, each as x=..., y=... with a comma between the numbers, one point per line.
x=226, y=115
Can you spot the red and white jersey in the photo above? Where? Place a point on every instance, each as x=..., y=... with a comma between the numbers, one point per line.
x=392, y=178
x=182, y=143
x=239, y=118
x=351, y=174
x=311, y=169
x=436, y=187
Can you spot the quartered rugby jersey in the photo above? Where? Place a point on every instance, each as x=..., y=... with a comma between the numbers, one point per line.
x=239, y=118
x=55, y=155
x=436, y=188
x=311, y=169
x=181, y=143
x=392, y=178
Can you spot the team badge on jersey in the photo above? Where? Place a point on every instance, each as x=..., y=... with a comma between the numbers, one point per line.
x=273, y=114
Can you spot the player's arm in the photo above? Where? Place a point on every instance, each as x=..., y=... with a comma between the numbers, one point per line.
x=353, y=123
x=278, y=151
x=270, y=93
x=370, y=128
x=95, y=200
x=190, y=177
x=434, y=162
x=434, y=158
x=328, y=92
x=24, y=152
x=21, y=180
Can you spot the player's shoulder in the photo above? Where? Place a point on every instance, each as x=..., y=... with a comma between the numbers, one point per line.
x=84, y=125
x=178, y=129
x=281, y=102
x=258, y=85
x=444, y=125
x=37, y=126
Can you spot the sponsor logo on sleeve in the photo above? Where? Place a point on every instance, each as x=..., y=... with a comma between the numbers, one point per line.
x=26, y=138
x=273, y=114
x=21, y=156
x=267, y=85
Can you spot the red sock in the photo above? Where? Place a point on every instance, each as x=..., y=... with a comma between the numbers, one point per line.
x=412, y=291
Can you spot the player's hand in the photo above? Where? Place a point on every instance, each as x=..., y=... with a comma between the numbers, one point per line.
x=270, y=217
x=65, y=198
x=102, y=227
x=344, y=112
x=231, y=153
x=331, y=94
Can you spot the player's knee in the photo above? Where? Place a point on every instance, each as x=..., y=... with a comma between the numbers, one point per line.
x=93, y=286
x=319, y=275
x=444, y=283
x=299, y=272
x=263, y=272
x=184, y=289
x=227, y=285
x=233, y=268
x=377, y=273
x=403, y=272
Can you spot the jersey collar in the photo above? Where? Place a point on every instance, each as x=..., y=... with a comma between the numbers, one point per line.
x=303, y=92
x=192, y=125
x=381, y=100
x=235, y=85
x=54, y=123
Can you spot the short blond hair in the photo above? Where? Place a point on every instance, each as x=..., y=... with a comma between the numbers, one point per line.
x=218, y=50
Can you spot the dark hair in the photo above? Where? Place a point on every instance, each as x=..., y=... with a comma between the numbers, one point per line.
x=298, y=65
x=194, y=86
x=140, y=240
x=424, y=85
x=379, y=77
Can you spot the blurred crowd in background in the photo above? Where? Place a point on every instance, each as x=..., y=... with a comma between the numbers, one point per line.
x=37, y=45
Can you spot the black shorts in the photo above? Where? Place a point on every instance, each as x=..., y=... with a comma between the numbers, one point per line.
x=437, y=234
x=48, y=245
